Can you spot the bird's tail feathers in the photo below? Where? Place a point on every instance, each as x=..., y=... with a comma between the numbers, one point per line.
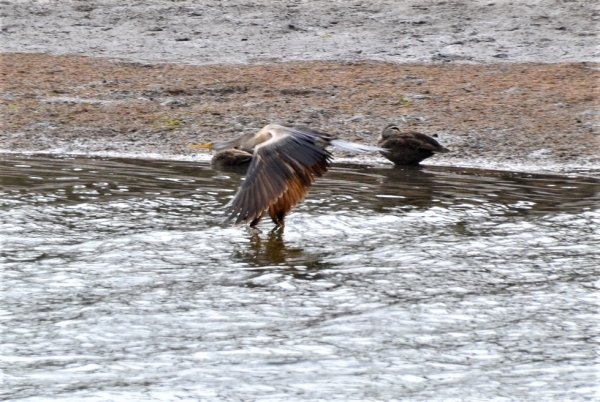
x=354, y=147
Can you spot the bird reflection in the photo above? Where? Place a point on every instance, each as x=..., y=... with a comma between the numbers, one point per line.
x=404, y=186
x=274, y=251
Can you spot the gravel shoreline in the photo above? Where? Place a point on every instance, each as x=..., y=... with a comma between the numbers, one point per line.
x=147, y=79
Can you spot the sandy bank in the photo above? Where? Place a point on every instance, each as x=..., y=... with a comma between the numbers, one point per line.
x=147, y=78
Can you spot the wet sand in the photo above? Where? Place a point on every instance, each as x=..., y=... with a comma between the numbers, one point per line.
x=519, y=93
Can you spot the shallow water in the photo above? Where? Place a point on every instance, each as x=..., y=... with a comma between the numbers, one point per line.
x=120, y=282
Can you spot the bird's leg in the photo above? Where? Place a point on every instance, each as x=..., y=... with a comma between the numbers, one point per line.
x=277, y=215
x=256, y=220
x=281, y=218
x=275, y=234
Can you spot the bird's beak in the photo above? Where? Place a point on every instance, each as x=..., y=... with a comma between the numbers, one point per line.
x=201, y=146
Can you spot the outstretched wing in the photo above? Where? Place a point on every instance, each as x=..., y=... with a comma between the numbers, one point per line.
x=281, y=171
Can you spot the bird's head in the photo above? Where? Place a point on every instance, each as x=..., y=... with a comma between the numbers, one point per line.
x=389, y=131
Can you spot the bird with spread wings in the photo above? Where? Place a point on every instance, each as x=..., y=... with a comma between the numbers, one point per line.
x=285, y=162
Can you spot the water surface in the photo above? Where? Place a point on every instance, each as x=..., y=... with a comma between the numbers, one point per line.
x=121, y=282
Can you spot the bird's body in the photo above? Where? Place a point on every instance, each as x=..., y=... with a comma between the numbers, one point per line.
x=231, y=159
x=284, y=165
x=407, y=147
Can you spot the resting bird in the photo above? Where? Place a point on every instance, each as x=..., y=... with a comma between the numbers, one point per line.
x=231, y=159
x=284, y=164
x=407, y=147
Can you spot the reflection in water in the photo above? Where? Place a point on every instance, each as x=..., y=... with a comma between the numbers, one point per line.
x=270, y=251
x=273, y=250
x=405, y=186
x=120, y=282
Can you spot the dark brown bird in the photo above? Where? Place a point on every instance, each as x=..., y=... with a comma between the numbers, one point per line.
x=407, y=147
x=284, y=164
x=231, y=159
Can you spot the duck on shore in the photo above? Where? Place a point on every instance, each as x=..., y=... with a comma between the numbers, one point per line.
x=405, y=147
x=231, y=158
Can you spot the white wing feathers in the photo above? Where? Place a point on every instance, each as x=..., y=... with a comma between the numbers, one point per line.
x=351, y=146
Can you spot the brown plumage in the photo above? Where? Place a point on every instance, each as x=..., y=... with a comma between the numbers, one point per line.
x=407, y=147
x=231, y=159
x=285, y=162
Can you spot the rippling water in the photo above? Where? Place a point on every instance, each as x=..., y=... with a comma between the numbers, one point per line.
x=120, y=282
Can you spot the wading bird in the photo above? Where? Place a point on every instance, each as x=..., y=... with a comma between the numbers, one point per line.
x=407, y=147
x=285, y=162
